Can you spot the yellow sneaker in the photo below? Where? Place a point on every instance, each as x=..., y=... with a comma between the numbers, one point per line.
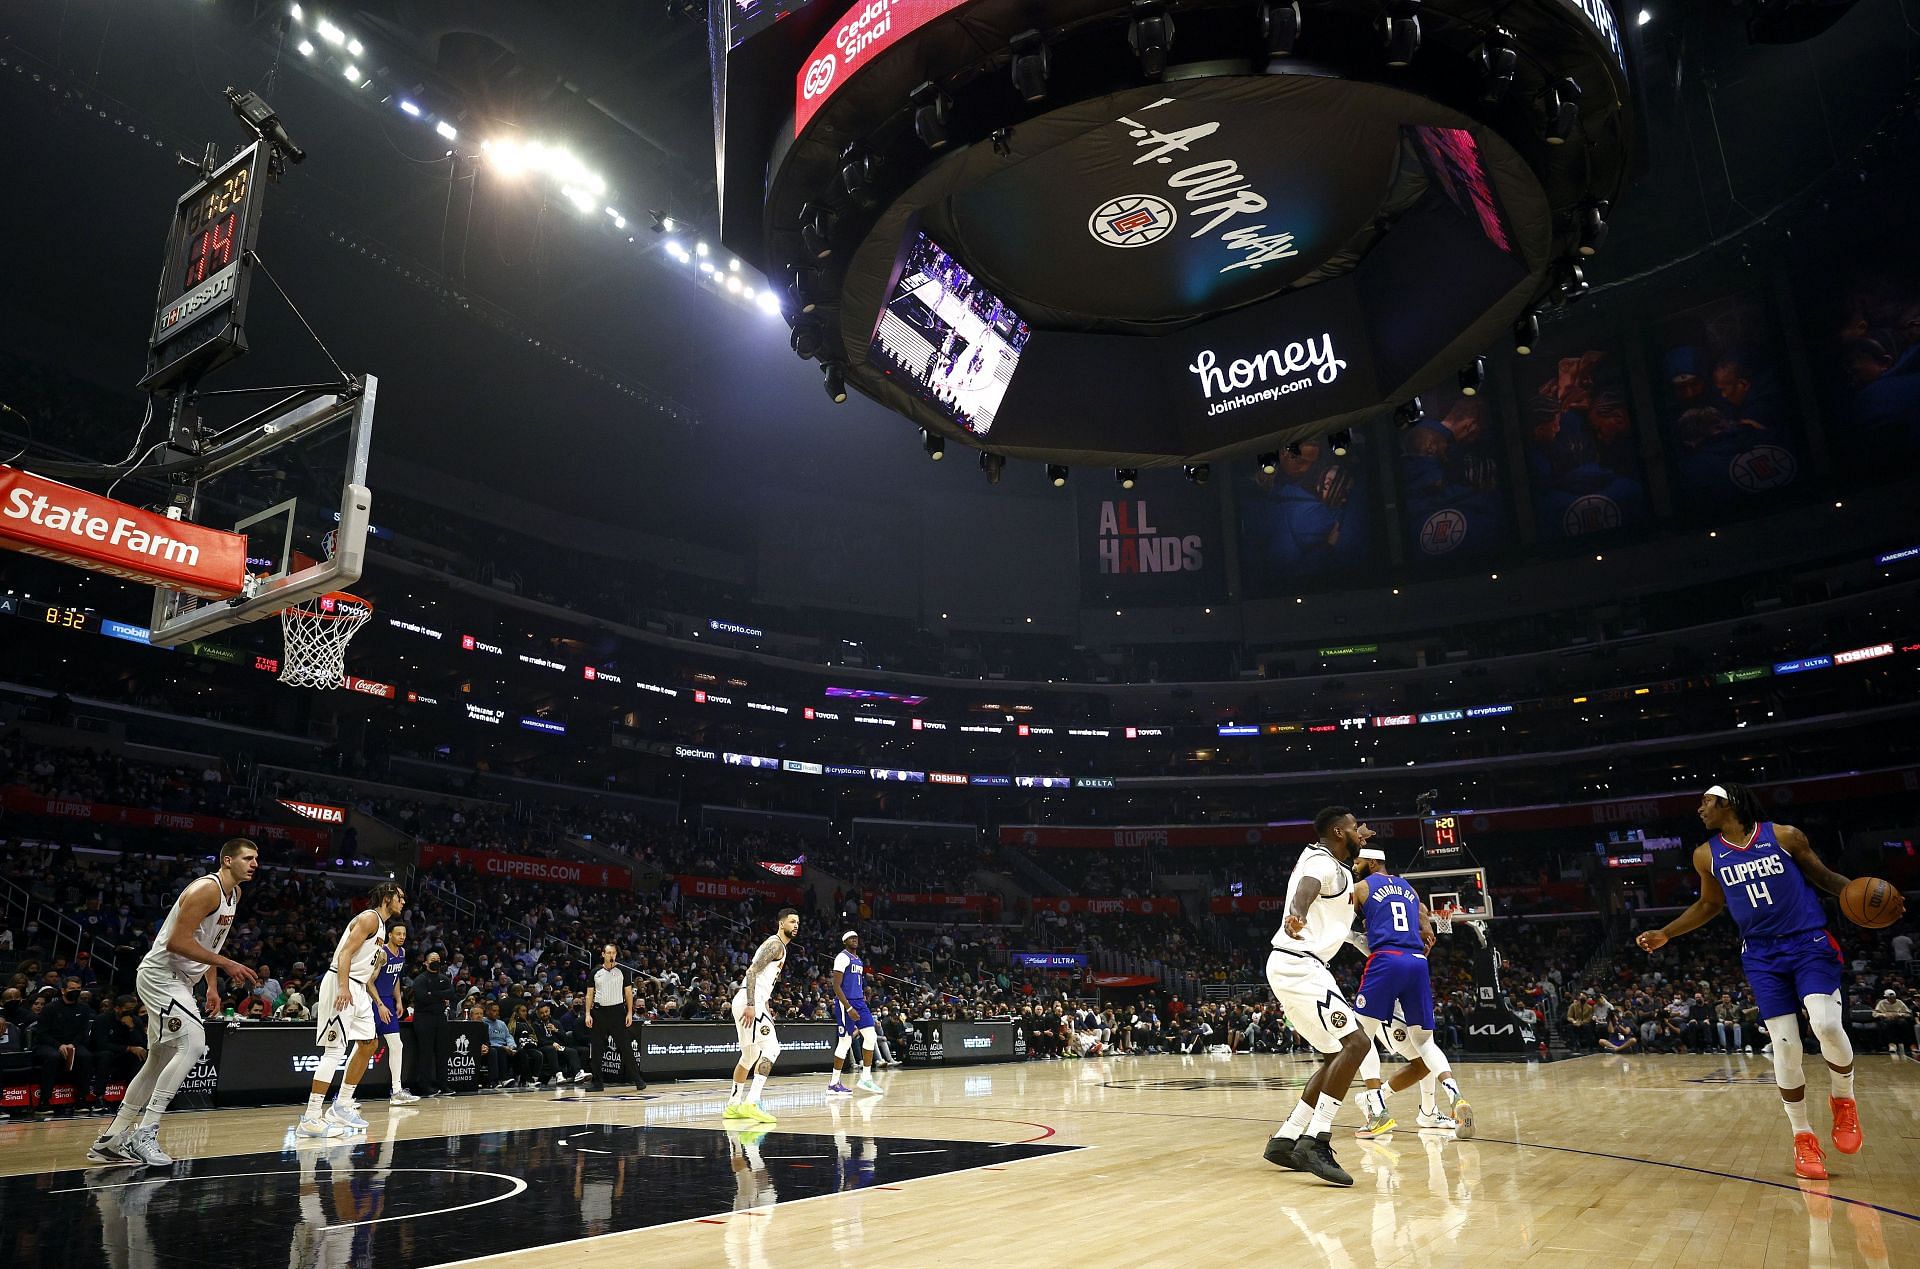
x=760, y=1113
x=738, y=1110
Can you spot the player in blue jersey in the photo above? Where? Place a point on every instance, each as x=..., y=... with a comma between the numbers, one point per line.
x=386, y=1008
x=851, y=1014
x=1395, y=1000
x=1763, y=875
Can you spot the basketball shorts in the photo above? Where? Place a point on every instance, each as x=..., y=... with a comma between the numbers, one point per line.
x=751, y=1038
x=390, y=1025
x=350, y=1025
x=1314, y=1007
x=1787, y=969
x=171, y=1010
x=851, y=1021
x=1395, y=978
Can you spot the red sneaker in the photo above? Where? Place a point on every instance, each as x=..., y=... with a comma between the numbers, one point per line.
x=1807, y=1159
x=1846, y=1125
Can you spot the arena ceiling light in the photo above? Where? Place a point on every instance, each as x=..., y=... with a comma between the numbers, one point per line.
x=1400, y=30
x=934, y=443
x=1340, y=442
x=1408, y=413
x=932, y=116
x=1279, y=27
x=833, y=376
x=1562, y=105
x=1526, y=334
x=993, y=465
x=1473, y=377
x=1056, y=474
x=1030, y=65
x=1269, y=462
x=1593, y=228
x=1198, y=473
x=1127, y=476
x=1150, y=36
x=1497, y=63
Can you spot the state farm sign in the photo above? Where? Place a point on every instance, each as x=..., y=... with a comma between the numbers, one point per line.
x=58, y=522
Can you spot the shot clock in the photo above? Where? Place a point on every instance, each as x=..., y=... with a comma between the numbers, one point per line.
x=199, y=318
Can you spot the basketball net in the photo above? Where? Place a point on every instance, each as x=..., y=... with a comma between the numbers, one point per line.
x=317, y=632
x=1443, y=920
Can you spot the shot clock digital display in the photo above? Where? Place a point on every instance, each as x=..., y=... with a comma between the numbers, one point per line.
x=1440, y=835
x=203, y=284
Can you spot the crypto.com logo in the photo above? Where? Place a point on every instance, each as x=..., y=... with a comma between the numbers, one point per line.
x=820, y=75
x=1132, y=220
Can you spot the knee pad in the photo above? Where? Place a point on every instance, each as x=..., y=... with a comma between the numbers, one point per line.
x=1435, y=1060
x=769, y=1050
x=869, y=1038
x=843, y=1046
x=1823, y=1016
x=1787, y=1051
x=1370, y=1064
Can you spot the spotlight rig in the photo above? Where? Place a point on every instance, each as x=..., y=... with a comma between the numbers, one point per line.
x=1125, y=234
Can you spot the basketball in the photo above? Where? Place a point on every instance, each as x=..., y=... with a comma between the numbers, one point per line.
x=1870, y=902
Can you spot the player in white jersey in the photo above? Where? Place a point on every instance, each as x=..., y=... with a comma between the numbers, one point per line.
x=186, y=948
x=343, y=1015
x=753, y=1023
x=1319, y=914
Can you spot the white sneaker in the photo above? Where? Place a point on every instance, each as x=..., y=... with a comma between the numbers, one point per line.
x=322, y=1127
x=347, y=1115
x=110, y=1151
x=510, y=1082
x=401, y=1097
x=582, y=1077
x=144, y=1144
x=867, y=1084
x=1435, y=1122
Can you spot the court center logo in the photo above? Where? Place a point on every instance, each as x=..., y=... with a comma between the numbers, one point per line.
x=820, y=75
x=1132, y=220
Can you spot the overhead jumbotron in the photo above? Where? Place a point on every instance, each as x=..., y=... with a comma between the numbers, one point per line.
x=1147, y=234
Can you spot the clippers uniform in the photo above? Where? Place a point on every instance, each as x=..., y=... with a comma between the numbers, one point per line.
x=1396, y=978
x=1785, y=948
x=388, y=987
x=355, y=1022
x=1297, y=967
x=853, y=982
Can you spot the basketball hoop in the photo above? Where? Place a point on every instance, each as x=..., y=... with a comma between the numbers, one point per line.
x=317, y=632
x=1443, y=921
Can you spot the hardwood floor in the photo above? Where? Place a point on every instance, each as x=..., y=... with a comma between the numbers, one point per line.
x=1128, y=1161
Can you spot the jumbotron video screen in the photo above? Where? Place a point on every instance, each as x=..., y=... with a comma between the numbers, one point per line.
x=955, y=341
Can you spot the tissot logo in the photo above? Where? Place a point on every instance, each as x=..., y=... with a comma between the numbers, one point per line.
x=1132, y=220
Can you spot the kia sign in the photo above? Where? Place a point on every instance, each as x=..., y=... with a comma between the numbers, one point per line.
x=868, y=30
x=58, y=522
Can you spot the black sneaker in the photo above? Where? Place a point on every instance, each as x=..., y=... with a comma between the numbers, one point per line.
x=640, y=1087
x=1315, y=1155
x=1279, y=1152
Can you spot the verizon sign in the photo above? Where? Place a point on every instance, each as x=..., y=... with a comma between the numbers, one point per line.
x=316, y=811
x=58, y=522
x=869, y=29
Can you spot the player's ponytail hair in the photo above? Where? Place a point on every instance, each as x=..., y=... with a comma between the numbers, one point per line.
x=1744, y=803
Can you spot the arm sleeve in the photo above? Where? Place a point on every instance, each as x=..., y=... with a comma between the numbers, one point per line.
x=842, y=963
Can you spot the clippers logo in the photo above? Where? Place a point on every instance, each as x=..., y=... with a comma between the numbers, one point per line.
x=1762, y=468
x=1132, y=220
x=819, y=76
x=1594, y=513
x=1360, y=1002
x=1444, y=531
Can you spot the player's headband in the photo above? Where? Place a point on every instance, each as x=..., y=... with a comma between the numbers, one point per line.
x=1720, y=791
x=850, y=934
x=1372, y=853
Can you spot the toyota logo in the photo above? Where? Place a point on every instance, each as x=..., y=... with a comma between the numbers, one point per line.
x=820, y=76
x=1132, y=220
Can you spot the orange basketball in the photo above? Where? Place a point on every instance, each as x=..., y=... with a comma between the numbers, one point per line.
x=1870, y=902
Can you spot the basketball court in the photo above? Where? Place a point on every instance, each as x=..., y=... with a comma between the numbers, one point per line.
x=1122, y=1160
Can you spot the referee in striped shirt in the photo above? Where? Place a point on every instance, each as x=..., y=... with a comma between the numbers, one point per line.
x=610, y=1013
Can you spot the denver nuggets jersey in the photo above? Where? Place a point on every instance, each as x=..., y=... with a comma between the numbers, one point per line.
x=1767, y=894
x=211, y=934
x=1393, y=914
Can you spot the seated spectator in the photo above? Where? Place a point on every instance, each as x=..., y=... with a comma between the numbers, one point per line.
x=1896, y=1022
x=501, y=1050
x=1619, y=1037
